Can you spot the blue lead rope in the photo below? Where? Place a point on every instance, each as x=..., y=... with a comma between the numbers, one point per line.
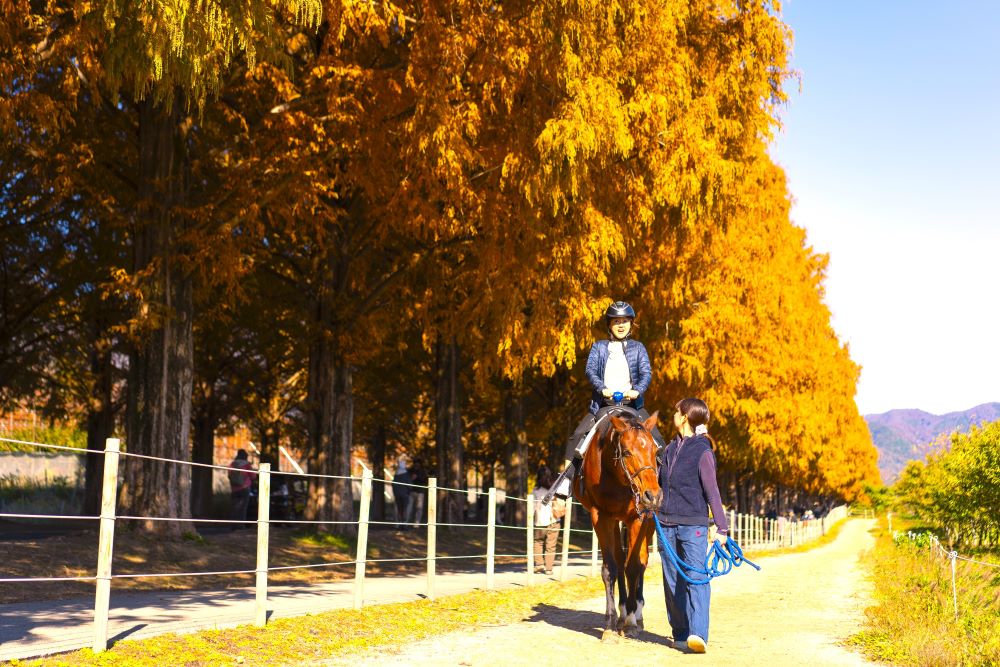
x=730, y=556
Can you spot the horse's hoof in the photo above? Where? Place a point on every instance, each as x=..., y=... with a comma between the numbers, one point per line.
x=609, y=637
x=632, y=631
x=642, y=626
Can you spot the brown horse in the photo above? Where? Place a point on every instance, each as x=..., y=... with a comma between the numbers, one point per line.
x=618, y=486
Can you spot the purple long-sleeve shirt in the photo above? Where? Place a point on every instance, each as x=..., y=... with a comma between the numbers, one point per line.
x=706, y=472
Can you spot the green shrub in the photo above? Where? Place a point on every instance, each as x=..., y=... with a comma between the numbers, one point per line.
x=58, y=495
x=64, y=436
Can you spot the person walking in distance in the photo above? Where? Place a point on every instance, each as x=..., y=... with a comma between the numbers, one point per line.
x=546, y=521
x=241, y=474
x=401, y=491
x=418, y=493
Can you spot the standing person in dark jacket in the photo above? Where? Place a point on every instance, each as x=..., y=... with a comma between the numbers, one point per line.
x=687, y=477
x=617, y=364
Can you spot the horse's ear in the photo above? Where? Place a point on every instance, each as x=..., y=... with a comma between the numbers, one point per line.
x=619, y=424
x=650, y=423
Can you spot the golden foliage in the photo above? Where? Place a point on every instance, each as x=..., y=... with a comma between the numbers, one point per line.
x=493, y=173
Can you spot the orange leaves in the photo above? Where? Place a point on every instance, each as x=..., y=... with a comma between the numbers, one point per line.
x=754, y=339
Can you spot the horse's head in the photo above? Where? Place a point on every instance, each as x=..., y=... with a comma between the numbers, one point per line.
x=635, y=459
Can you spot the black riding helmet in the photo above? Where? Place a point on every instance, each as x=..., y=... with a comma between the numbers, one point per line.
x=618, y=309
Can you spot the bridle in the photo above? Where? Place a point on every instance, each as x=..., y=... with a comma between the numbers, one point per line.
x=621, y=455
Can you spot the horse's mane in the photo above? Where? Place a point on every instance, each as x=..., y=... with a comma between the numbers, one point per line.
x=628, y=415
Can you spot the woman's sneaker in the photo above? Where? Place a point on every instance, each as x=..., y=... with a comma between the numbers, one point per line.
x=696, y=644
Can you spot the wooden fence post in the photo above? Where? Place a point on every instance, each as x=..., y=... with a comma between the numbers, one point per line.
x=364, y=511
x=491, y=536
x=106, y=540
x=566, y=535
x=263, y=535
x=432, y=511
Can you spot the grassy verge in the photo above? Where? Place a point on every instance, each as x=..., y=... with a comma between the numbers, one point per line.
x=311, y=639
x=64, y=436
x=914, y=621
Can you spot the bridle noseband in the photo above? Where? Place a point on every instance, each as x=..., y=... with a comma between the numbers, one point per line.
x=621, y=454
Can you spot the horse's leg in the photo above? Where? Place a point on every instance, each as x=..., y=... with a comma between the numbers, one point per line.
x=645, y=535
x=634, y=568
x=609, y=573
x=620, y=555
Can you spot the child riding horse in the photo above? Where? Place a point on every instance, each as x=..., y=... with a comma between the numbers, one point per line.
x=617, y=365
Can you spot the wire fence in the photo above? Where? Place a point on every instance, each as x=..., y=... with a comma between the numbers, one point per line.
x=937, y=550
x=749, y=531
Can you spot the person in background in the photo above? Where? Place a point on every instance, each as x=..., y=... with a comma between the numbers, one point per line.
x=418, y=493
x=546, y=521
x=241, y=474
x=687, y=477
x=401, y=491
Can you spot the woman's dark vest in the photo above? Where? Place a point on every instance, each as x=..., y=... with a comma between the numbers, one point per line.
x=684, y=501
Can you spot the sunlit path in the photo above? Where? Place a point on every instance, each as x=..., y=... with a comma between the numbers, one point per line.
x=795, y=611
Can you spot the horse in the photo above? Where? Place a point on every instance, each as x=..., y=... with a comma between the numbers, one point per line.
x=619, y=486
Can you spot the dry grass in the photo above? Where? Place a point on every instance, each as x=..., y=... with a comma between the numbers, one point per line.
x=914, y=620
x=75, y=554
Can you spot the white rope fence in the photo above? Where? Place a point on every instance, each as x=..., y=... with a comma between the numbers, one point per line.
x=750, y=532
x=934, y=544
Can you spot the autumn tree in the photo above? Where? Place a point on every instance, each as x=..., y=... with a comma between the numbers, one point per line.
x=751, y=335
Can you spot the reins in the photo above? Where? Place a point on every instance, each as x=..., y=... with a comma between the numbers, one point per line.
x=730, y=556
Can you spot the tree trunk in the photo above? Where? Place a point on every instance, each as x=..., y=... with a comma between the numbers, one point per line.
x=270, y=439
x=377, y=457
x=100, y=419
x=160, y=367
x=203, y=451
x=448, y=437
x=515, y=462
x=330, y=421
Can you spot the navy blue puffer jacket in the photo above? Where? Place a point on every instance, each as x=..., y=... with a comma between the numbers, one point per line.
x=640, y=371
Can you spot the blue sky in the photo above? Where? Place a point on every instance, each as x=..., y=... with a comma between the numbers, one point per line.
x=892, y=150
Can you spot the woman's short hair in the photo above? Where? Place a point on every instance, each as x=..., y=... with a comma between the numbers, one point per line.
x=545, y=478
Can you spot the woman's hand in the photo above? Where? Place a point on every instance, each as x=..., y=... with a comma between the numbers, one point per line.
x=631, y=394
x=607, y=393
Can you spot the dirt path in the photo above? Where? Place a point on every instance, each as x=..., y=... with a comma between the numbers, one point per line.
x=793, y=612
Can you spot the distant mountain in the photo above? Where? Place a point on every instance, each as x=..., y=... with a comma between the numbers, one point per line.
x=906, y=435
